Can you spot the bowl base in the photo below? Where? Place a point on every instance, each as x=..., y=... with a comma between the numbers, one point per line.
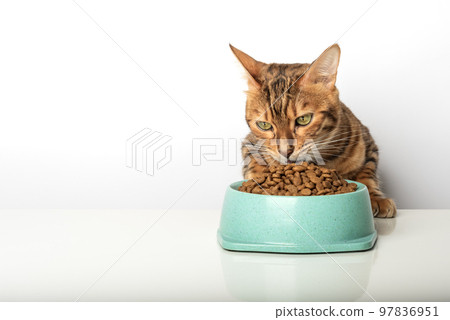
x=360, y=244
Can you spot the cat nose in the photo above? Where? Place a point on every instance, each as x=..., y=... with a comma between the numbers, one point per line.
x=286, y=151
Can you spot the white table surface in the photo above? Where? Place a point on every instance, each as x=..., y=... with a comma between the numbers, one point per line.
x=70, y=255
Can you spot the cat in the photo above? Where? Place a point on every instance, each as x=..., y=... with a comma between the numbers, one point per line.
x=294, y=111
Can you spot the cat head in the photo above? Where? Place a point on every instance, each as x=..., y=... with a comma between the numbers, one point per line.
x=290, y=105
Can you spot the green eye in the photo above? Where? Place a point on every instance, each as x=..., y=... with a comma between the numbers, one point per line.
x=264, y=125
x=304, y=120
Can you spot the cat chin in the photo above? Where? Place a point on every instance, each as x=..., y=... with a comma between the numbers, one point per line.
x=286, y=161
x=296, y=161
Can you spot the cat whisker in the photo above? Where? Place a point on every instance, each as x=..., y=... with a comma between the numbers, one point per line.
x=339, y=134
x=341, y=139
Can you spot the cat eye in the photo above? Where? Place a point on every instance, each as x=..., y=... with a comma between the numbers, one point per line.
x=304, y=119
x=264, y=125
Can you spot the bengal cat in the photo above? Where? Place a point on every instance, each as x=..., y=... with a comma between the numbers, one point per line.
x=294, y=109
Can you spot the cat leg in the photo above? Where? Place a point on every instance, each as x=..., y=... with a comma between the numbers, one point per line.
x=382, y=207
x=253, y=170
x=254, y=163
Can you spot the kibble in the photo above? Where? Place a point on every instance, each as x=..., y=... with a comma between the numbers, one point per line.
x=304, y=179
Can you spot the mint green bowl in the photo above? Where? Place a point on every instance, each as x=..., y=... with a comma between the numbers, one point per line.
x=296, y=224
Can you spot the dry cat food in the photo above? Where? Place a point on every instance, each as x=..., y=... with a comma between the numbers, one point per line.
x=304, y=179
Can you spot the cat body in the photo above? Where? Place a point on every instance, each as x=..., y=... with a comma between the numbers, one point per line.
x=295, y=114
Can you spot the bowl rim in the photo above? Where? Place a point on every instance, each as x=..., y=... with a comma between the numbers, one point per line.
x=361, y=188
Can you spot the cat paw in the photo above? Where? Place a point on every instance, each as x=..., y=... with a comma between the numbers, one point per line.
x=383, y=207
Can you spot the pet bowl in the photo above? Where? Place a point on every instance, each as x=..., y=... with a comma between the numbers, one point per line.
x=296, y=224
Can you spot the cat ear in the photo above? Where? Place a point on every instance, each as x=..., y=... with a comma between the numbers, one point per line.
x=251, y=66
x=324, y=68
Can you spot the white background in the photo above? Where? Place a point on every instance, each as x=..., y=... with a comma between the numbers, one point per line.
x=73, y=89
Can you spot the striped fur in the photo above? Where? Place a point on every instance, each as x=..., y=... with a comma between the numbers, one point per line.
x=279, y=94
